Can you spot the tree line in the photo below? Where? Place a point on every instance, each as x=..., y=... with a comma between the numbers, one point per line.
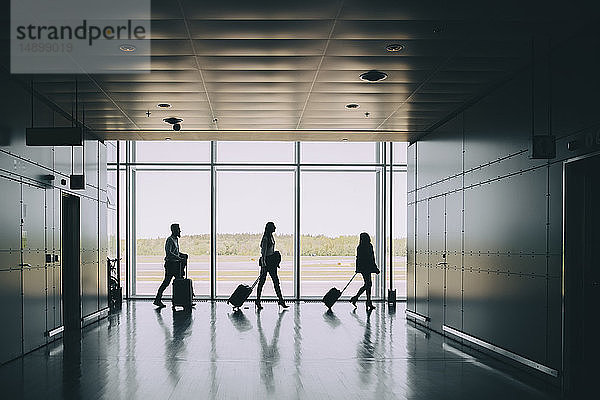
x=247, y=244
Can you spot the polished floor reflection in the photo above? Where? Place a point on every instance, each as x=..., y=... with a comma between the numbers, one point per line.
x=302, y=353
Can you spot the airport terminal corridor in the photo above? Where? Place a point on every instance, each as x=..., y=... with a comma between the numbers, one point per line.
x=302, y=353
x=437, y=160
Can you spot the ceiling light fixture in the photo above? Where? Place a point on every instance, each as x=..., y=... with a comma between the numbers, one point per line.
x=167, y=138
x=163, y=105
x=394, y=48
x=373, y=76
x=352, y=106
x=344, y=139
x=127, y=48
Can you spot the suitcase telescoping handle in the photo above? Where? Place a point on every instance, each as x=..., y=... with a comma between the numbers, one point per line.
x=348, y=284
x=255, y=282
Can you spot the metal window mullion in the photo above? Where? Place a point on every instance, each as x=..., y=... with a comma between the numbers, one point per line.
x=297, y=224
x=213, y=221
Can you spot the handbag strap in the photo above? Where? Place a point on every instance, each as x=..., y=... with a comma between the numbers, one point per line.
x=348, y=284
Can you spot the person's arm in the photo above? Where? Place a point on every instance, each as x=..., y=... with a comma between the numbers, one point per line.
x=171, y=249
x=263, y=251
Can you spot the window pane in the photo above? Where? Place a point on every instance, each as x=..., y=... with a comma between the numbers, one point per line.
x=399, y=233
x=255, y=152
x=163, y=198
x=333, y=152
x=335, y=208
x=399, y=152
x=172, y=152
x=246, y=201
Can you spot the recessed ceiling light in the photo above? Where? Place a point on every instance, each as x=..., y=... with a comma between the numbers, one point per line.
x=163, y=105
x=373, y=76
x=167, y=138
x=344, y=139
x=352, y=105
x=127, y=48
x=394, y=48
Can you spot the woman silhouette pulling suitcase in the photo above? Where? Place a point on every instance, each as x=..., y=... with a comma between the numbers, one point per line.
x=269, y=262
x=365, y=265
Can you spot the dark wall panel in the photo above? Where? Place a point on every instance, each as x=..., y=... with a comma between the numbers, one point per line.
x=30, y=284
x=439, y=154
x=34, y=308
x=10, y=215
x=507, y=309
x=503, y=210
x=507, y=215
x=11, y=309
x=410, y=257
x=499, y=125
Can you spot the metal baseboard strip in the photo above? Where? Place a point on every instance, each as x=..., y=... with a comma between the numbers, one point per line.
x=417, y=316
x=55, y=331
x=100, y=313
x=501, y=351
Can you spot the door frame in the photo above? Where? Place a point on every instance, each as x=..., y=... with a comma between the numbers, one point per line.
x=71, y=261
x=564, y=345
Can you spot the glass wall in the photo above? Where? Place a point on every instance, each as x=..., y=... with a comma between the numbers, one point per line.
x=335, y=208
x=321, y=196
x=246, y=201
x=164, y=197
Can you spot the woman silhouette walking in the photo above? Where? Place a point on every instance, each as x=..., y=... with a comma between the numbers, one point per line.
x=269, y=262
x=365, y=265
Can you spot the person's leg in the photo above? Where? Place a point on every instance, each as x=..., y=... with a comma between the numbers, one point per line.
x=261, y=282
x=369, y=284
x=361, y=290
x=275, y=279
x=277, y=286
x=163, y=286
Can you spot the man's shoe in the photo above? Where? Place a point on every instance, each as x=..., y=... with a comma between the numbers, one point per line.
x=159, y=303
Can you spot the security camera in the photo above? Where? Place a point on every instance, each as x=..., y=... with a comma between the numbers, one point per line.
x=175, y=122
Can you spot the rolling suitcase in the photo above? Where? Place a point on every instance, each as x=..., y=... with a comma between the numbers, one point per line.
x=241, y=294
x=334, y=294
x=183, y=292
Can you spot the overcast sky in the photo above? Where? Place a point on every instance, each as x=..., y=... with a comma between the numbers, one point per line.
x=332, y=203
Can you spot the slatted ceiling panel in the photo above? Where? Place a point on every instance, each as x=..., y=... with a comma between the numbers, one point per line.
x=259, y=47
x=153, y=87
x=383, y=63
x=253, y=76
x=170, y=47
x=351, y=76
x=168, y=29
x=254, y=106
x=362, y=87
x=226, y=63
x=260, y=29
x=377, y=48
x=264, y=9
x=258, y=87
x=154, y=76
x=176, y=63
x=284, y=65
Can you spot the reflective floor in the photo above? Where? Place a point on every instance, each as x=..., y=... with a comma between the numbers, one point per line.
x=302, y=353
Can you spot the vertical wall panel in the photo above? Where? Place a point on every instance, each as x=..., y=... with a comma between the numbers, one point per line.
x=103, y=253
x=34, y=308
x=28, y=281
x=504, y=217
x=410, y=257
x=10, y=215
x=11, y=309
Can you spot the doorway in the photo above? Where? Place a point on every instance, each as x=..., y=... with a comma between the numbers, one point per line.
x=581, y=276
x=71, y=263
